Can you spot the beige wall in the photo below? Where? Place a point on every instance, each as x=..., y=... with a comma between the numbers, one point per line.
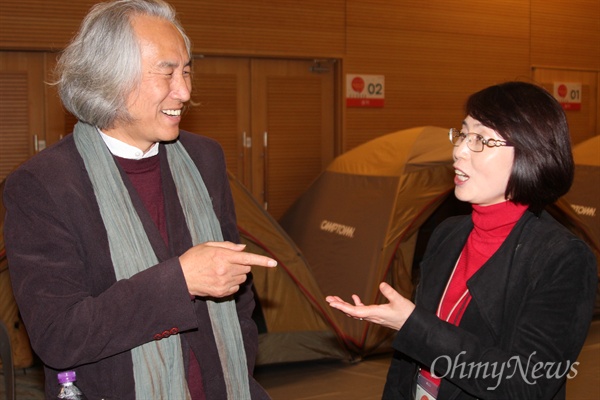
x=432, y=53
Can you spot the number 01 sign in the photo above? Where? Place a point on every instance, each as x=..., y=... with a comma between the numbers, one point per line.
x=365, y=90
x=568, y=95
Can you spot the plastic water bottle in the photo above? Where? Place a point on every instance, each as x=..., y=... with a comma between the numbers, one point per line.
x=68, y=390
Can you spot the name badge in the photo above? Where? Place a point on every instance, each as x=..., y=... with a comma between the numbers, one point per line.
x=426, y=390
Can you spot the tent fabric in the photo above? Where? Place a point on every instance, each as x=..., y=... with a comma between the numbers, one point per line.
x=580, y=205
x=365, y=218
x=357, y=223
x=354, y=227
x=293, y=318
x=584, y=196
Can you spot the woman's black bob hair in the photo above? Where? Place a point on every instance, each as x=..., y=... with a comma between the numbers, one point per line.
x=534, y=123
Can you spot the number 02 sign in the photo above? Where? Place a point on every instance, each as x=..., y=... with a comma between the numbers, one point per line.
x=568, y=95
x=365, y=90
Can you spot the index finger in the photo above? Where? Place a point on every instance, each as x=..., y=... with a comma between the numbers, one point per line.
x=256, y=260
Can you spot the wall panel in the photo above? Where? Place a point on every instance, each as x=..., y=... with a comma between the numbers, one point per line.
x=40, y=24
x=470, y=17
x=308, y=28
x=311, y=28
x=565, y=34
x=433, y=55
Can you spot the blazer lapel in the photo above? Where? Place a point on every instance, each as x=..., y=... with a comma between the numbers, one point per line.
x=437, y=268
x=491, y=286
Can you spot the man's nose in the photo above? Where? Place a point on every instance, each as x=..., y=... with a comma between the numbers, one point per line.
x=182, y=88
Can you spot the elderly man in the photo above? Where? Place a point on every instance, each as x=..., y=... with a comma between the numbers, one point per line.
x=121, y=238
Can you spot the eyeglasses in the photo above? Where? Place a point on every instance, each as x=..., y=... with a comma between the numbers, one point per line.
x=475, y=142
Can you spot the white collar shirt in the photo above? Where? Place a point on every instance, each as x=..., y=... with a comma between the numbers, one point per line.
x=124, y=150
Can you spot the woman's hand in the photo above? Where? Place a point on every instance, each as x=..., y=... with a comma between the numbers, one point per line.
x=391, y=315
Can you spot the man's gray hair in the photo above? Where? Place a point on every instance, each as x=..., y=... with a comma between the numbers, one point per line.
x=102, y=65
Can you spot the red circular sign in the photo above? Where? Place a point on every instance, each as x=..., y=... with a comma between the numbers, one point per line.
x=562, y=90
x=358, y=84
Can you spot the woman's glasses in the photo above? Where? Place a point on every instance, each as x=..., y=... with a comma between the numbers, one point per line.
x=475, y=142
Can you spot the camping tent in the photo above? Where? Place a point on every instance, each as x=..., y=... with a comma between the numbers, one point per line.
x=582, y=202
x=366, y=218
x=584, y=196
x=357, y=224
x=295, y=322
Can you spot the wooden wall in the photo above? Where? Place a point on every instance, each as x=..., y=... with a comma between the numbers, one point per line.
x=432, y=53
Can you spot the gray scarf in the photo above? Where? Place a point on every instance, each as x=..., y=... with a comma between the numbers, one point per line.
x=158, y=365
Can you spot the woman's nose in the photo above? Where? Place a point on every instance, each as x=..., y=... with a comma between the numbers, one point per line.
x=461, y=150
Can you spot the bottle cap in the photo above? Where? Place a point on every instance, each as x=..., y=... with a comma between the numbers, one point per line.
x=67, y=376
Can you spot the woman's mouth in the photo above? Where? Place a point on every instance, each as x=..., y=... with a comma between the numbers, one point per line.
x=459, y=176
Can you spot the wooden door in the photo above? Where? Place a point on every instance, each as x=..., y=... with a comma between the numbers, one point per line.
x=293, y=121
x=221, y=108
x=22, y=130
x=583, y=123
x=274, y=119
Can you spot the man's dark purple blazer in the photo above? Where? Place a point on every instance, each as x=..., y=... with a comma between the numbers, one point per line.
x=76, y=313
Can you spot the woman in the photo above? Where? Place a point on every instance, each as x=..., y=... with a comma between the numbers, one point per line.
x=506, y=295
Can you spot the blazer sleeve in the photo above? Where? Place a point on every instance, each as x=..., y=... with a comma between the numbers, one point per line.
x=533, y=346
x=74, y=310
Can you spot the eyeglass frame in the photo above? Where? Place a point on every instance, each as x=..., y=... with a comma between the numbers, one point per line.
x=489, y=142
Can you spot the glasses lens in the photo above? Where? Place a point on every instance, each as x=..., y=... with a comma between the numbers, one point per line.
x=455, y=137
x=475, y=142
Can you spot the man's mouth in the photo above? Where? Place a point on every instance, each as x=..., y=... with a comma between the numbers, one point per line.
x=172, y=113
